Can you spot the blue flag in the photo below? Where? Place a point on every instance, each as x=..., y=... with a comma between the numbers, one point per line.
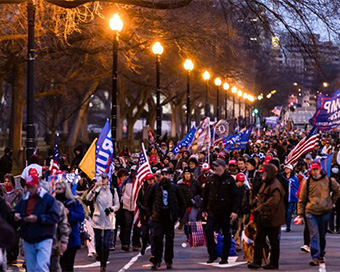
x=104, y=151
x=272, y=120
x=185, y=142
x=238, y=141
x=326, y=164
x=327, y=113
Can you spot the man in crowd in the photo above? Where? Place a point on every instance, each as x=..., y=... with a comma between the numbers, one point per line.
x=37, y=216
x=220, y=205
x=317, y=196
x=6, y=163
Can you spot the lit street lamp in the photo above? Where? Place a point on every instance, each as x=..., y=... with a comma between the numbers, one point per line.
x=188, y=66
x=157, y=49
x=206, y=77
x=218, y=83
x=116, y=24
x=245, y=97
x=234, y=91
x=225, y=88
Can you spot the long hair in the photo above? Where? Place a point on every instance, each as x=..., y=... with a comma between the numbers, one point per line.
x=67, y=187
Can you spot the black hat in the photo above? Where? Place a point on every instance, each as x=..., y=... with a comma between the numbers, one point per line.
x=203, y=152
x=186, y=169
x=165, y=170
x=252, y=162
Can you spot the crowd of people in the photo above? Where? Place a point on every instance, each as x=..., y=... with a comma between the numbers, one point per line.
x=227, y=190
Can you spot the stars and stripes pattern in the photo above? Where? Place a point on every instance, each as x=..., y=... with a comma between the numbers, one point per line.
x=306, y=145
x=277, y=110
x=55, y=161
x=143, y=168
x=196, y=234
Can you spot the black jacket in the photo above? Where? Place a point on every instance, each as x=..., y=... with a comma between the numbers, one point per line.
x=140, y=202
x=220, y=194
x=5, y=166
x=189, y=192
x=175, y=199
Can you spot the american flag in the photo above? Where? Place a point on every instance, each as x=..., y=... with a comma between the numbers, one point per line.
x=306, y=145
x=277, y=110
x=54, y=163
x=196, y=234
x=143, y=168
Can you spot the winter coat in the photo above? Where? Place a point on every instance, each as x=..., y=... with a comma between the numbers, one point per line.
x=127, y=195
x=47, y=211
x=140, y=202
x=103, y=199
x=244, y=200
x=317, y=199
x=176, y=201
x=220, y=195
x=13, y=197
x=76, y=215
x=76, y=161
x=270, y=205
x=190, y=191
x=63, y=230
x=293, y=187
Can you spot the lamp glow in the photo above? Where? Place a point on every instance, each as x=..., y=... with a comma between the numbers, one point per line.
x=157, y=48
x=188, y=65
x=206, y=75
x=218, y=81
x=239, y=93
x=116, y=23
x=226, y=86
x=234, y=89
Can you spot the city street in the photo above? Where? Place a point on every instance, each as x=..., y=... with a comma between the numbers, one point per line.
x=193, y=259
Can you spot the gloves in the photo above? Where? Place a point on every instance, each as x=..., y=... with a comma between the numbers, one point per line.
x=256, y=213
x=108, y=211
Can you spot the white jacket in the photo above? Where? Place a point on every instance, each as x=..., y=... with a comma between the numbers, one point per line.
x=103, y=201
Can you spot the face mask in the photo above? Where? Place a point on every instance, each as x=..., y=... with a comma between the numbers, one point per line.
x=61, y=197
x=335, y=170
x=9, y=188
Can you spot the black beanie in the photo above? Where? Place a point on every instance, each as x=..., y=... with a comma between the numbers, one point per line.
x=252, y=162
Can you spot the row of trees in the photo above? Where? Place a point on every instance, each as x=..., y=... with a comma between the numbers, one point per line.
x=74, y=57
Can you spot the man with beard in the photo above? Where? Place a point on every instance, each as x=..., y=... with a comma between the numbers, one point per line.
x=166, y=204
x=317, y=197
x=220, y=204
x=269, y=216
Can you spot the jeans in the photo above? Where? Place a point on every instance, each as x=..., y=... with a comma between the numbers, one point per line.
x=317, y=225
x=290, y=210
x=38, y=255
x=215, y=223
x=102, y=241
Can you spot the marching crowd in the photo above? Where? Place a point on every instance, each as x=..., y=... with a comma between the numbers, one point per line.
x=246, y=195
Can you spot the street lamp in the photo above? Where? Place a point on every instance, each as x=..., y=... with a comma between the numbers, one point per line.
x=30, y=131
x=239, y=94
x=206, y=77
x=157, y=49
x=116, y=24
x=234, y=91
x=218, y=83
x=245, y=97
x=225, y=88
x=188, y=66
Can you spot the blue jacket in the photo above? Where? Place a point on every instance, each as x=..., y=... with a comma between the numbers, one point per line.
x=76, y=216
x=47, y=211
x=293, y=187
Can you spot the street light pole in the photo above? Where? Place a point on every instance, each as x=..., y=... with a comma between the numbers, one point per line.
x=226, y=88
x=206, y=77
x=116, y=25
x=188, y=66
x=218, y=83
x=157, y=49
x=30, y=136
x=234, y=91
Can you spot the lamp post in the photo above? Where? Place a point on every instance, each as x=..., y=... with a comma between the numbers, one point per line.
x=116, y=24
x=225, y=88
x=218, y=83
x=245, y=97
x=239, y=94
x=30, y=136
x=251, y=100
x=206, y=77
x=234, y=91
x=157, y=49
x=188, y=66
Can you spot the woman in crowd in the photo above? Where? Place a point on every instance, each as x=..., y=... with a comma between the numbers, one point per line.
x=75, y=215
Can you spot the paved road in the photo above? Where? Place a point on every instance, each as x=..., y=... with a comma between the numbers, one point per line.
x=192, y=259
